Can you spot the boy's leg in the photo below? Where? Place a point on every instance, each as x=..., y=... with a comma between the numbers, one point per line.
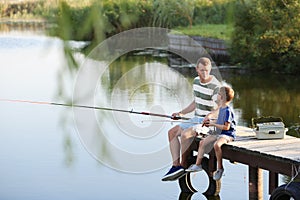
x=176, y=170
x=187, y=138
x=205, y=146
x=218, y=151
x=174, y=143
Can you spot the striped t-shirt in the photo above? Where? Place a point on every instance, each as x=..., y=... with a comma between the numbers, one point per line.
x=205, y=96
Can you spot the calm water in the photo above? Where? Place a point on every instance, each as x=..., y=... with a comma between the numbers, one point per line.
x=52, y=152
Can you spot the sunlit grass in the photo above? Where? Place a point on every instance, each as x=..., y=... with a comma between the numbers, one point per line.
x=72, y=3
x=219, y=31
x=33, y=9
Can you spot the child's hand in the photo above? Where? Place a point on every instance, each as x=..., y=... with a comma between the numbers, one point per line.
x=206, y=123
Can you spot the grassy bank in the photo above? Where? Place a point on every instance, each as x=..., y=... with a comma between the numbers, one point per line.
x=219, y=31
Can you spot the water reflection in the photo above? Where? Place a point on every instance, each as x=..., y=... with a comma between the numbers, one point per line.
x=38, y=143
x=267, y=95
x=189, y=196
x=24, y=26
x=146, y=86
x=256, y=94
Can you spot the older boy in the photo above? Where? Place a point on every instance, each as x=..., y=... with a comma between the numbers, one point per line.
x=206, y=87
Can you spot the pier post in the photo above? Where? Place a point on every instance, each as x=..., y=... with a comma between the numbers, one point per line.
x=255, y=183
x=273, y=181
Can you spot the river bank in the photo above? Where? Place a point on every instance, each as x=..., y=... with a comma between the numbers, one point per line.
x=216, y=48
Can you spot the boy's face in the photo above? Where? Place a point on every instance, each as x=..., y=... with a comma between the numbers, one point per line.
x=221, y=97
x=203, y=71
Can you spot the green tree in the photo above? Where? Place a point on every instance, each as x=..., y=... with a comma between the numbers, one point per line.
x=267, y=35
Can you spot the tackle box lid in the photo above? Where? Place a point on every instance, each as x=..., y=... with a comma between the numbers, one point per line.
x=267, y=120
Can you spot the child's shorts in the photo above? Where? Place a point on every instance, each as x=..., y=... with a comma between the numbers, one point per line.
x=226, y=137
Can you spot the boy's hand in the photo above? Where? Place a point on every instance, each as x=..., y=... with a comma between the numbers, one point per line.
x=206, y=122
x=177, y=114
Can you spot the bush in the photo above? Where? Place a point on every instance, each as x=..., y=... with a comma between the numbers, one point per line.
x=213, y=12
x=267, y=35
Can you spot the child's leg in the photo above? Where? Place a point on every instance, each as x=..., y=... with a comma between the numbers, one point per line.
x=217, y=146
x=204, y=147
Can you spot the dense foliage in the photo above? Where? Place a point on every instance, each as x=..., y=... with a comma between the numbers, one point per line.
x=124, y=14
x=267, y=35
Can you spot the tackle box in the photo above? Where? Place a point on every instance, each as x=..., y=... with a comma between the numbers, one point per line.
x=269, y=128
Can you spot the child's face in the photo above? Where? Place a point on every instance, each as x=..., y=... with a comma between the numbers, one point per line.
x=221, y=96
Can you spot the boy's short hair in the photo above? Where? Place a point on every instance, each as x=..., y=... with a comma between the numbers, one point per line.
x=228, y=92
x=204, y=61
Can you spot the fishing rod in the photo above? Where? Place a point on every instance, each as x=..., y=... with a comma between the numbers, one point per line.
x=178, y=120
x=171, y=121
x=96, y=108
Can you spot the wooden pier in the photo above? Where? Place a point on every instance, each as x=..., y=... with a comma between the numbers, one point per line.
x=278, y=156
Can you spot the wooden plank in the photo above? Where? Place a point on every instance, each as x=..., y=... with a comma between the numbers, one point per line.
x=284, y=150
x=251, y=142
x=287, y=148
x=255, y=159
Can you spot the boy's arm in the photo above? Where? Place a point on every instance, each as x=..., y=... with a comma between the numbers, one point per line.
x=225, y=126
x=186, y=110
x=212, y=115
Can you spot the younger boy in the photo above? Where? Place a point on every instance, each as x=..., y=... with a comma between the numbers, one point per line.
x=226, y=131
